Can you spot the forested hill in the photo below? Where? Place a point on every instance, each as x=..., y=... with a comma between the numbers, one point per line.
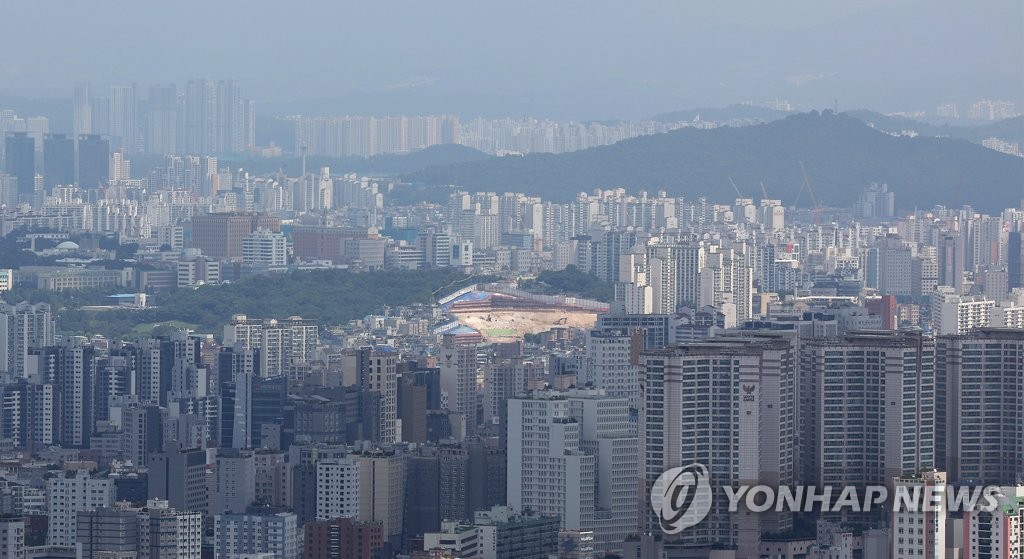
x=841, y=155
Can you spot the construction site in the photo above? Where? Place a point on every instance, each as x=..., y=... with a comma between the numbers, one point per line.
x=502, y=312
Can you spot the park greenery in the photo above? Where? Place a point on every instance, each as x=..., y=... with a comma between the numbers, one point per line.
x=334, y=297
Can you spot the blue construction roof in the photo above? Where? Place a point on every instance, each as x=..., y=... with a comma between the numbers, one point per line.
x=470, y=296
x=463, y=329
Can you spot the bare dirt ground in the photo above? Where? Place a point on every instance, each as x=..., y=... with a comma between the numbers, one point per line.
x=511, y=325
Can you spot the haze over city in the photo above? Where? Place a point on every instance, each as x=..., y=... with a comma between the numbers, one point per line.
x=564, y=60
x=524, y=280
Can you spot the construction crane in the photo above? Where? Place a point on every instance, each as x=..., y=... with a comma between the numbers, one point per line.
x=764, y=192
x=815, y=206
x=734, y=187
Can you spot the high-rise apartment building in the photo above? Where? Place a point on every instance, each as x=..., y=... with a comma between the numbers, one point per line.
x=673, y=272
x=458, y=364
x=67, y=493
x=980, y=418
x=919, y=531
x=20, y=162
x=161, y=120
x=959, y=314
x=265, y=248
x=876, y=399
x=58, y=161
x=123, y=118
x=166, y=533
x=70, y=368
x=996, y=534
x=548, y=471
x=216, y=118
x=12, y=538
x=82, y=109
x=179, y=477
x=23, y=327
x=730, y=406
x=246, y=534
x=382, y=490
x=337, y=489
x=93, y=161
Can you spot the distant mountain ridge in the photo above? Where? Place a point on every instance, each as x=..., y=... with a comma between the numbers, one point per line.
x=841, y=155
x=1010, y=129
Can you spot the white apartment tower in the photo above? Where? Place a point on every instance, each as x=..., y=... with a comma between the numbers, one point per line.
x=247, y=535
x=612, y=364
x=23, y=326
x=673, y=272
x=12, y=538
x=998, y=534
x=68, y=493
x=548, y=471
x=458, y=365
x=920, y=530
x=958, y=314
x=337, y=488
x=608, y=435
x=265, y=248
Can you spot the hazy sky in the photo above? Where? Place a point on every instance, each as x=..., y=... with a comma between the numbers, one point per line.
x=566, y=59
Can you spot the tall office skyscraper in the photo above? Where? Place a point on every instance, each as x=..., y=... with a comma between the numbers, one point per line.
x=93, y=161
x=123, y=121
x=20, y=162
x=58, y=161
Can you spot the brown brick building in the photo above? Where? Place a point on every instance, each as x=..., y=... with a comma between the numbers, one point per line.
x=219, y=235
x=343, y=538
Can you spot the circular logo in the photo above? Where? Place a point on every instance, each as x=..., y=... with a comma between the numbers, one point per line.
x=681, y=497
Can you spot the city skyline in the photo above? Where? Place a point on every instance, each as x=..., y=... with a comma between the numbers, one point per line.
x=538, y=280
